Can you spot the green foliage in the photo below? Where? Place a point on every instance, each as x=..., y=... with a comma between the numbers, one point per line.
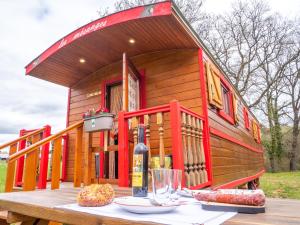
x=281, y=185
x=273, y=141
x=2, y=175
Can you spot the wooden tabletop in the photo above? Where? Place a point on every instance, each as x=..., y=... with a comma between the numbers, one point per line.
x=40, y=204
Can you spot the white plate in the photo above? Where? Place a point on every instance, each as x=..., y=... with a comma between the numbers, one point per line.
x=142, y=205
x=186, y=193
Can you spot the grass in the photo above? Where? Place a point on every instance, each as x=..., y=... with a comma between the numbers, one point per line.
x=275, y=185
x=281, y=185
x=2, y=175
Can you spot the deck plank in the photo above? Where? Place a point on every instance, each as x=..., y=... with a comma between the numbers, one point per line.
x=40, y=204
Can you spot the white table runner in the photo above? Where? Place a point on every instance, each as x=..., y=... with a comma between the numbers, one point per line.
x=191, y=213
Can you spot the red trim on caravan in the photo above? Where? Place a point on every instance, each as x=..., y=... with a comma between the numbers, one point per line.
x=246, y=118
x=238, y=182
x=221, y=112
x=160, y=9
x=177, y=151
x=206, y=137
x=42, y=182
x=232, y=139
x=20, y=161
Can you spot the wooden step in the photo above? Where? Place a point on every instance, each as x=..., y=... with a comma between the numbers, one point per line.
x=3, y=217
x=12, y=218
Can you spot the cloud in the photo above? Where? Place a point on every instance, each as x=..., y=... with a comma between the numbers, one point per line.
x=42, y=10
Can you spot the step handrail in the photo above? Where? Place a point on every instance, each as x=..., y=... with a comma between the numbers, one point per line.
x=21, y=138
x=32, y=147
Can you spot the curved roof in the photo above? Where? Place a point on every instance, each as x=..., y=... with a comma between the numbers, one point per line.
x=153, y=27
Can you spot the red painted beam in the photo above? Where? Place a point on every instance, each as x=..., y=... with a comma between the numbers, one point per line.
x=123, y=151
x=42, y=182
x=20, y=162
x=177, y=151
x=188, y=111
x=206, y=136
x=206, y=184
x=233, y=140
x=238, y=182
x=152, y=110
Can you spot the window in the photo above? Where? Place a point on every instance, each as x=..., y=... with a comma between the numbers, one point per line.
x=256, y=131
x=226, y=99
x=246, y=119
x=214, y=87
x=227, y=111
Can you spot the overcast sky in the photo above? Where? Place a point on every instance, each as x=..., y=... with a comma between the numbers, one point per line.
x=29, y=27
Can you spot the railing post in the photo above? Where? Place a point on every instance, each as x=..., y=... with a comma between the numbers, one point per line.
x=20, y=162
x=123, y=150
x=177, y=151
x=56, y=156
x=10, y=171
x=31, y=163
x=78, y=157
x=42, y=183
x=87, y=166
x=64, y=157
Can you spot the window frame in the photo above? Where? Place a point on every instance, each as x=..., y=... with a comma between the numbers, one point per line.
x=221, y=112
x=246, y=118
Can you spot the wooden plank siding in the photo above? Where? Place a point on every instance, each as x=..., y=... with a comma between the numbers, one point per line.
x=231, y=161
x=172, y=74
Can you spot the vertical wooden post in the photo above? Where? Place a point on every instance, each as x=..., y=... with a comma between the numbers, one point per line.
x=64, y=159
x=20, y=161
x=147, y=127
x=123, y=150
x=125, y=82
x=10, y=171
x=105, y=141
x=78, y=157
x=134, y=126
x=190, y=152
x=56, y=158
x=42, y=183
x=199, y=149
x=31, y=163
x=87, y=158
x=178, y=143
x=160, y=123
x=194, y=149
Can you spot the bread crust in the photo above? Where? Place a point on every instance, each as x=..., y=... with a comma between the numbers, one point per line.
x=96, y=195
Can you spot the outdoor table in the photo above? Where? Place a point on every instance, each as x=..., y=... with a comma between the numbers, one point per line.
x=38, y=207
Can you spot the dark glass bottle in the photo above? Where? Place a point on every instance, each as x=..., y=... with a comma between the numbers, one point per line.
x=140, y=166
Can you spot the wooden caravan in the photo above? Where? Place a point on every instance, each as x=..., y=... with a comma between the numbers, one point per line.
x=147, y=65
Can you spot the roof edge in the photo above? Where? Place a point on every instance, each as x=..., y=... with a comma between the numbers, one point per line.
x=151, y=10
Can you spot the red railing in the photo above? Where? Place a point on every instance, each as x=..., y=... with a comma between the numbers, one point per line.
x=19, y=175
x=186, y=139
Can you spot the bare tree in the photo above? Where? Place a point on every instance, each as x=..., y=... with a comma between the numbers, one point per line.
x=191, y=9
x=247, y=42
x=292, y=90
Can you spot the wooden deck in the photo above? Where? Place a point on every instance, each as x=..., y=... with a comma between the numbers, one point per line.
x=40, y=205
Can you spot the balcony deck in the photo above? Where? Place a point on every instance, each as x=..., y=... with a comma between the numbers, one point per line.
x=41, y=205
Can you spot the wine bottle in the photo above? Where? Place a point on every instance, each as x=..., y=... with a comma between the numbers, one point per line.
x=140, y=166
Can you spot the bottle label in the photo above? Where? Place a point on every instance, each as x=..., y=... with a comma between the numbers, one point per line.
x=137, y=173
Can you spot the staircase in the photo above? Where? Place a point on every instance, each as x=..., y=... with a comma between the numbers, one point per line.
x=39, y=146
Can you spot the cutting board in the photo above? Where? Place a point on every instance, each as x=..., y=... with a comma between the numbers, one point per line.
x=215, y=206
